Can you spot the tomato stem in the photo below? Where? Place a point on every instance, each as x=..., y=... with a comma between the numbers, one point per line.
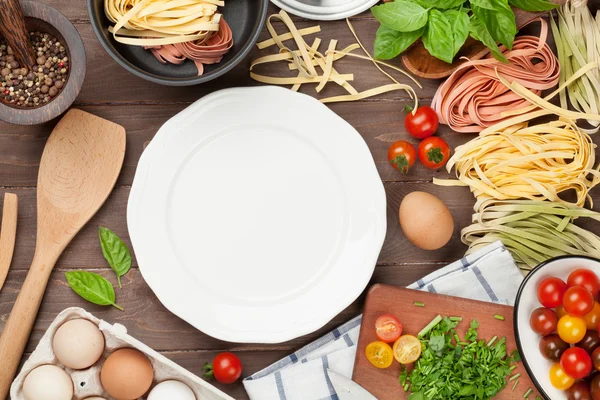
x=208, y=371
x=408, y=108
x=401, y=163
x=435, y=155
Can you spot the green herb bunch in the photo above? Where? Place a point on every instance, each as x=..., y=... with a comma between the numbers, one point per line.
x=444, y=25
x=451, y=368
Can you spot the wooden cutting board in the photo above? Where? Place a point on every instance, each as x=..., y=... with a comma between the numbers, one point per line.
x=384, y=299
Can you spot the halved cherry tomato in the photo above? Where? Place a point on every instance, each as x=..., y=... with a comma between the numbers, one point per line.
x=434, y=152
x=543, y=321
x=402, y=155
x=576, y=363
x=559, y=378
x=407, y=349
x=585, y=278
x=592, y=319
x=388, y=328
x=423, y=123
x=578, y=301
x=379, y=354
x=551, y=291
x=571, y=329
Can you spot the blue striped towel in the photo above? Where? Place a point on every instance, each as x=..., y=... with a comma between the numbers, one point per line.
x=489, y=274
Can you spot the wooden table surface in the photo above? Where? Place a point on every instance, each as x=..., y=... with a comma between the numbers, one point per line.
x=142, y=107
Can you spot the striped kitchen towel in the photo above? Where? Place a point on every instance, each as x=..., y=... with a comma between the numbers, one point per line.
x=490, y=274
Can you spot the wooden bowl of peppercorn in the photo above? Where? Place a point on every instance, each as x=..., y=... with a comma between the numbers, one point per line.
x=30, y=96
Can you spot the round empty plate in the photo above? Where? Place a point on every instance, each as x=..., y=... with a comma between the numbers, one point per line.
x=257, y=214
x=325, y=10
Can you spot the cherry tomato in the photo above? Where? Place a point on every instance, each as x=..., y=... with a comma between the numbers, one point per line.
x=576, y=363
x=578, y=301
x=388, y=328
x=592, y=319
x=423, y=123
x=551, y=291
x=407, y=349
x=559, y=379
x=579, y=391
x=571, y=329
x=543, y=321
x=560, y=312
x=585, y=278
x=590, y=341
x=402, y=155
x=596, y=359
x=434, y=152
x=379, y=354
x=595, y=387
x=552, y=347
x=226, y=368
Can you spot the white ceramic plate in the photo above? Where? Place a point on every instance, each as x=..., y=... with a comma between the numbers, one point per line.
x=257, y=214
x=325, y=10
x=527, y=340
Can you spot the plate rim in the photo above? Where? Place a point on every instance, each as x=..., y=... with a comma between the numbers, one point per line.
x=320, y=319
x=305, y=13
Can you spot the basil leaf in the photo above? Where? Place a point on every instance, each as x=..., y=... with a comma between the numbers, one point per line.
x=533, y=5
x=115, y=251
x=437, y=38
x=459, y=22
x=489, y=4
x=440, y=5
x=389, y=43
x=479, y=32
x=401, y=15
x=92, y=287
x=500, y=21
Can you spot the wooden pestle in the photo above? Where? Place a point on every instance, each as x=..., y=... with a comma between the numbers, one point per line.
x=12, y=28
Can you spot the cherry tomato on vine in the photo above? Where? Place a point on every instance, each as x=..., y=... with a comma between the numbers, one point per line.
x=585, y=278
x=576, y=363
x=550, y=292
x=402, y=155
x=571, y=329
x=388, y=328
x=423, y=123
x=543, y=321
x=559, y=379
x=578, y=301
x=434, y=152
x=226, y=368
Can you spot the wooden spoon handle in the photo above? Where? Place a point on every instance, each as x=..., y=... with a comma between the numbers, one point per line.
x=8, y=234
x=18, y=327
x=12, y=27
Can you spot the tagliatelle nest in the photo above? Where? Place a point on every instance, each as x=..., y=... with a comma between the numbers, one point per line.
x=317, y=68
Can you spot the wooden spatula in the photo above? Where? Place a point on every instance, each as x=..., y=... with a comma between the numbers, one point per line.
x=79, y=168
x=418, y=60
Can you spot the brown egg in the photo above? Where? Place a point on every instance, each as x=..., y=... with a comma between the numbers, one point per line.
x=126, y=374
x=425, y=220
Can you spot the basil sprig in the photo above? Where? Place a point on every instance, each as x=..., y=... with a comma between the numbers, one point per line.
x=93, y=288
x=115, y=251
x=444, y=25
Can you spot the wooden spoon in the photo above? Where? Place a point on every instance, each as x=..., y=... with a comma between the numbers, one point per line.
x=418, y=60
x=12, y=27
x=8, y=234
x=79, y=168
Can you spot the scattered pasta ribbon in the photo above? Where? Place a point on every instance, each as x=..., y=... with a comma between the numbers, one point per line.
x=314, y=67
x=473, y=98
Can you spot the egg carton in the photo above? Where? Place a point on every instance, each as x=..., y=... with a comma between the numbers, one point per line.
x=86, y=382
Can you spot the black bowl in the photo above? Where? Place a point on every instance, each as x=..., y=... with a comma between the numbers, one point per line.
x=246, y=18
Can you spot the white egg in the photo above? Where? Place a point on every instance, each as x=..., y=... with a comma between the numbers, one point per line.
x=78, y=344
x=171, y=390
x=48, y=382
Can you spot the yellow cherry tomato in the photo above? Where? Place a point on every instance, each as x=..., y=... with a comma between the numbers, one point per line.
x=407, y=349
x=571, y=329
x=592, y=319
x=559, y=378
x=560, y=312
x=379, y=354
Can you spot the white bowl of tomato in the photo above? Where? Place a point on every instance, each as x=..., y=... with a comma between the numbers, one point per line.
x=556, y=322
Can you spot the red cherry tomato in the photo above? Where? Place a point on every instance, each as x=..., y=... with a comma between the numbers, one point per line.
x=576, y=363
x=226, y=368
x=402, y=155
x=543, y=321
x=585, y=278
x=423, y=123
x=434, y=152
x=388, y=328
x=578, y=301
x=550, y=292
